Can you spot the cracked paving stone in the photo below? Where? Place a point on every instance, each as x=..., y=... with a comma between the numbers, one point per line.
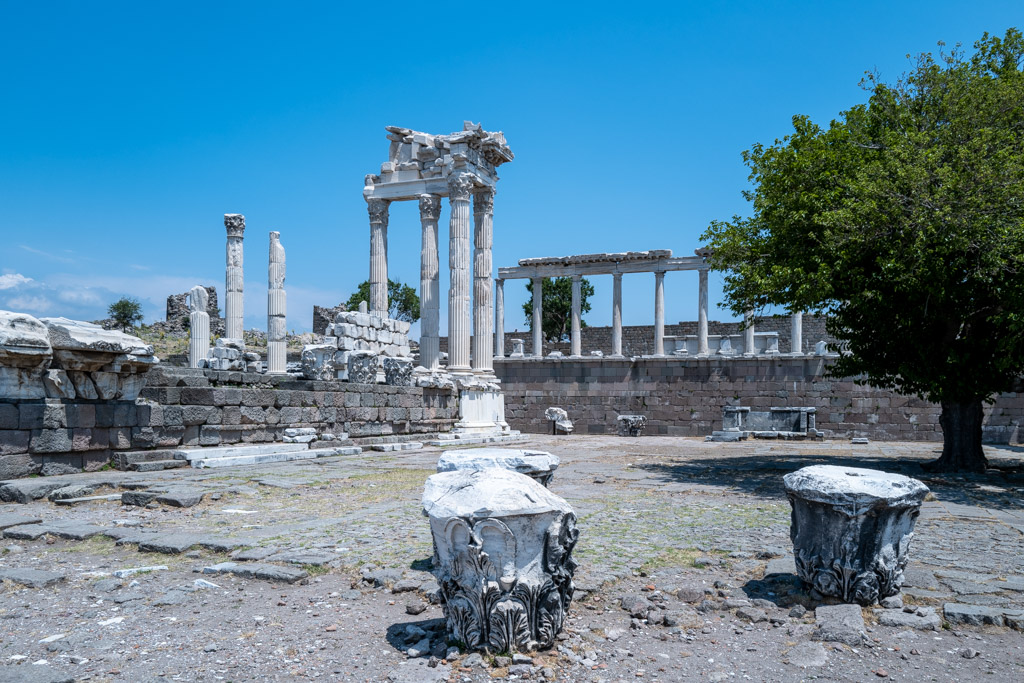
x=169, y=544
x=302, y=557
x=250, y=570
x=14, y=519
x=181, y=499
x=32, y=578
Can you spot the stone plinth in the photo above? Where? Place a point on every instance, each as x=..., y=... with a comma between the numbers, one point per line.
x=631, y=425
x=851, y=529
x=538, y=465
x=503, y=547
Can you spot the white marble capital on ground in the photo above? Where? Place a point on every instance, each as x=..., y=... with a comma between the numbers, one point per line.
x=378, y=210
x=234, y=223
x=430, y=298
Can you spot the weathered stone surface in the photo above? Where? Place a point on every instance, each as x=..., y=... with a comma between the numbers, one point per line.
x=184, y=498
x=169, y=544
x=538, y=465
x=318, y=361
x=972, y=615
x=923, y=619
x=504, y=541
x=631, y=425
x=839, y=623
x=851, y=529
x=138, y=498
x=27, y=490
x=14, y=519
x=806, y=655
x=25, y=532
x=362, y=367
x=17, y=465
x=25, y=354
x=559, y=419
x=250, y=570
x=33, y=578
x=397, y=372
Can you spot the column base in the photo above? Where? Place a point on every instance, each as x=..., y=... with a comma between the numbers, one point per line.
x=481, y=411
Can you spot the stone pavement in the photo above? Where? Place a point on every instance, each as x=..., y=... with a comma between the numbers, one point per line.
x=320, y=568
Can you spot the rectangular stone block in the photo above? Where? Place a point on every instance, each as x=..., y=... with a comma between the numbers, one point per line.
x=31, y=415
x=197, y=396
x=120, y=438
x=125, y=415
x=13, y=441
x=51, y=441
x=9, y=417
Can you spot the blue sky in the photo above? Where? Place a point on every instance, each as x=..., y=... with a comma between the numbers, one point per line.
x=129, y=129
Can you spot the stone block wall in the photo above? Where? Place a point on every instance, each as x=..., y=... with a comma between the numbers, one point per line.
x=638, y=340
x=196, y=407
x=685, y=397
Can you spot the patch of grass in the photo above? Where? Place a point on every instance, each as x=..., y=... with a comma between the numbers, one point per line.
x=97, y=545
x=316, y=569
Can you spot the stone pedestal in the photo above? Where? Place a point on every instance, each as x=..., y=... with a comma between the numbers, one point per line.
x=503, y=558
x=481, y=411
x=538, y=465
x=199, y=326
x=851, y=529
x=559, y=420
x=276, y=305
x=631, y=425
x=518, y=348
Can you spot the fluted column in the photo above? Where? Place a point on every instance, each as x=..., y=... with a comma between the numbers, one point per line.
x=234, y=223
x=378, y=210
x=199, y=326
x=499, y=303
x=577, y=343
x=748, y=333
x=460, y=187
x=483, y=303
x=430, y=298
x=538, y=317
x=659, y=313
x=616, y=314
x=702, y=312
x=797, y=332
x=276, y=305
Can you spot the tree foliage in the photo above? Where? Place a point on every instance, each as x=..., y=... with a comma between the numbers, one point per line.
x=556, y=306
x=403, y=302
x=903, y=222
x=126, y=311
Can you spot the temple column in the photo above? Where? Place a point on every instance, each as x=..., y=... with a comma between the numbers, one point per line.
x=748, y=333
x=702, y=312
x=276, y=306
x=199, y=326
x=797, y=332
x=576, y=325
x=378, y=210
x=616, y=314
x=659, y=313
x=499, y=303
x=235, y=225
x=538, y=318
x=430, y=301
x=460, y=187
x=483, y=304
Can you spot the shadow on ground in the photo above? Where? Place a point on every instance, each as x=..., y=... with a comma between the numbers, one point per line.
x=762, y=475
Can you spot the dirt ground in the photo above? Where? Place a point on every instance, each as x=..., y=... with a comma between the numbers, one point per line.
x=683, y=552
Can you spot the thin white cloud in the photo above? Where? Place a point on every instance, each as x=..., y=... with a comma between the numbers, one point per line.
x=46, y=254
x=136, y=266
x=13, y=280
x=29, y=303
x=80, y=296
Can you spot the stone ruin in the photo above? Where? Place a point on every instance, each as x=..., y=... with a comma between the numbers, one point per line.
x=559, y=419
x=740, y=423
x=179, y=309
x=538, y=465
x=364, y=344
x=66, y=359
x=324, y=316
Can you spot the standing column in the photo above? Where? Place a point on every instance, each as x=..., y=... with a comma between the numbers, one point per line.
x=797, y=332
x=748, y=333
x=378, y=209
x=616, y=314
x=483, y=306
x=659, y=313
x=576, y=325
x=538, y=318
x=460, y=186
x=235, y=225
x=199, y=326
x=430, y=301
x=276, y=305
x=702, y=313
x=499, y=302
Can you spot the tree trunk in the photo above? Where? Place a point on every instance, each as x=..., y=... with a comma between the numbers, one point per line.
x=961, y=438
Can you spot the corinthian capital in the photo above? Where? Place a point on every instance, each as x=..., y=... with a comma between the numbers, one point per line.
x=460, y=186
x=483, y=202
x=378, y=209
x=430, y=207
x=235, y=224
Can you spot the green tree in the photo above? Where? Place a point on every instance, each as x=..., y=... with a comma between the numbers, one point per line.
x=903, y=222
x=403, y=302
x=556, y=310
x=126, y=311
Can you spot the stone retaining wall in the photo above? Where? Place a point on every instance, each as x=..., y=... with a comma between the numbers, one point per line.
x=685, y=397
x=195, y=407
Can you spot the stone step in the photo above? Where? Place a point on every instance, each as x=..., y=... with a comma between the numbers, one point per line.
x=125, y=459
x=286, y=456
x=473, y=440
x=192, y=454
x=87, y=499
x=390, y=447
x=157, y=465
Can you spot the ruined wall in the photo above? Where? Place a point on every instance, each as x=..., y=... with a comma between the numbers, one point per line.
x=324, y=316
x=685, y=397
x=195, y=407
x=638, y=340
x=177, y=307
